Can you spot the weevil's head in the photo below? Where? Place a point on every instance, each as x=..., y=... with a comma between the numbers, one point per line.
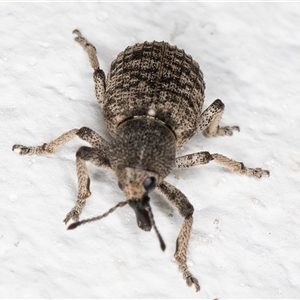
x=136, y=185
x=142, y=155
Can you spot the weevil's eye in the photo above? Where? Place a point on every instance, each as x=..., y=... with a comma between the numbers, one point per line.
x=149, y=183
x=120, y=185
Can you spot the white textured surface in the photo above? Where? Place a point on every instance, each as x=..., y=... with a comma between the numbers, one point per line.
x=245, y=241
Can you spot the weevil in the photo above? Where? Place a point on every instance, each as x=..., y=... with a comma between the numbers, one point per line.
x=152, y=102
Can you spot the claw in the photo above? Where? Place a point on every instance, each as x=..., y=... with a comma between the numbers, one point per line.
x=23, y=150
x=73, y=214
x=222, y=131
x=228, y=130
x=15, y=147
x=257, y=172
x=193, y=281
x=189, y=278
x=76, y=31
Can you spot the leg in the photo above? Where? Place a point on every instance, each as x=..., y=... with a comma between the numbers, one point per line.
x=211, y=118
x=93, y=138
x=89, y=48
x=239, y=167
x=84, y=133
x=97, y=157
x=189, y=160
x=179, y=200
x=201, y=158
x=99, y=76
x=47, y=148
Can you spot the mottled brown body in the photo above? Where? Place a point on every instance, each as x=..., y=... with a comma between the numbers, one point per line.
x=151, y=102
x=155, y=78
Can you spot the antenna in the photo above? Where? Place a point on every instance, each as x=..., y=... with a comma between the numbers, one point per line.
x=121, y=204
x=76, y=224
x=161, y=241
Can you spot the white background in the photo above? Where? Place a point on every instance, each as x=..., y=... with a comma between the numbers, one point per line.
x=245, y=239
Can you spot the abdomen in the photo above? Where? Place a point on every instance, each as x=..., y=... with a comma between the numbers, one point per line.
x=159, y=80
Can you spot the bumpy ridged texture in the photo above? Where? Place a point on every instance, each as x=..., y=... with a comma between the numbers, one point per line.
x=155, y=77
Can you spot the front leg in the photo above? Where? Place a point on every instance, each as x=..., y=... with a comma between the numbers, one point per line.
x=210, y=119
x=99, y=158
x=180, y=201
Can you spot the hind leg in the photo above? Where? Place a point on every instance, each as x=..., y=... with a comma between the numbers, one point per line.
x=99, y=75
x=210, y=119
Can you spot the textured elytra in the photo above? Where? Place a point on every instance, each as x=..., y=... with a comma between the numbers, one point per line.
x=159, y=78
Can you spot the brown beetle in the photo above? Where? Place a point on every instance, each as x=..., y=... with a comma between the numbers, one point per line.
x=151, y=101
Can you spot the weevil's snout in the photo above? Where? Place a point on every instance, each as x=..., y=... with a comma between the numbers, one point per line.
x=137, y=184
x=141, y=209
x=144, y=216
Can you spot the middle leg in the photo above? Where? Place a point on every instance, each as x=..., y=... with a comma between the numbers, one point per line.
x=98, y=155
x=84, y=133
x=201, y=158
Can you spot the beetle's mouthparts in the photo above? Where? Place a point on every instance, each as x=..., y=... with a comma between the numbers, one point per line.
x=144, y=217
